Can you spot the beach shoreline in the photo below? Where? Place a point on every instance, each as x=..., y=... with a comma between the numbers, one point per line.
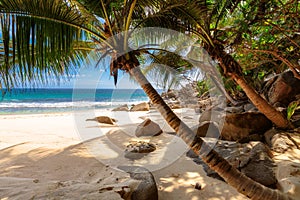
x=40, y=151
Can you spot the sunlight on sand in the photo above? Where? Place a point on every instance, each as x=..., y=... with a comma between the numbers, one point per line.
x=54, y=154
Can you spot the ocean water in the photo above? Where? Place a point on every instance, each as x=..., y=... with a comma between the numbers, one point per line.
x=30, y=101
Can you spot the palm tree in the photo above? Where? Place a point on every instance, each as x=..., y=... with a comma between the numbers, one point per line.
x=203, y=18
x=28, y=55
x=97, y=21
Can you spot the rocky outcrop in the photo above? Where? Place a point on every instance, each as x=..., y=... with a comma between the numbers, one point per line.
x=236, y=126
x=187, y=96
x=141, y=107
x=146, y=189
x=260, y=165
x=288, y=175
x=148, y=128
x=282, y=89
x=103, y=119
x=253, y=159
x=281, y=141
x=286, y=144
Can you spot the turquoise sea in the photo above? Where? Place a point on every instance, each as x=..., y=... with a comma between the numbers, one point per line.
x=29, y=101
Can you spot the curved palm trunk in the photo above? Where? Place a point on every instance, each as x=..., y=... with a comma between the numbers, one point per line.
x=232, y=69
x=230, y=174
x=262, y=105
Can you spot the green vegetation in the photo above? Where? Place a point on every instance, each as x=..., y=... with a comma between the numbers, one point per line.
x=293, y=106
x=203, y=86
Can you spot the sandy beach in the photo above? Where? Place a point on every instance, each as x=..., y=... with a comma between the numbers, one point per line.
x=63, y=156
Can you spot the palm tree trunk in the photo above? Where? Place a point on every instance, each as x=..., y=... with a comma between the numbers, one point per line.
x=232, y=69
x=230, y=174
x=262, y=105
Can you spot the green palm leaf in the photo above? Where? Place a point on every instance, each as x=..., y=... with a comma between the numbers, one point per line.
x=39, y=42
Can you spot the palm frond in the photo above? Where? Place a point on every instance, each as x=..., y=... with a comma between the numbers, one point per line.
x=40, y=38
x=220, y=9
x=181, y=16
x=62, y=11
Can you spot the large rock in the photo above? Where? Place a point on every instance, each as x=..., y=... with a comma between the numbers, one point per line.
x=103, y=119
x=287, y=147
x=288, y=176
x=236, y=126
x=148, y=128
x=140, y=185
x=260, y=165
x=141, y=107
x=253, y=160
x=207, y=129
x=146, y=189
x=282, y=89
x=281, y=141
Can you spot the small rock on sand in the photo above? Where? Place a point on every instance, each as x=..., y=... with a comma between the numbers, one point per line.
x=138, y=149
x=103, y=119
x=141, y=107
x=121, y=108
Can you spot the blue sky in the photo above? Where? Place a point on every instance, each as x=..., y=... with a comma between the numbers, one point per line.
x=91, y=77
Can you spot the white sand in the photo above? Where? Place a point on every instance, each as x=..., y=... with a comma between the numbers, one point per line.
x=42, y=157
